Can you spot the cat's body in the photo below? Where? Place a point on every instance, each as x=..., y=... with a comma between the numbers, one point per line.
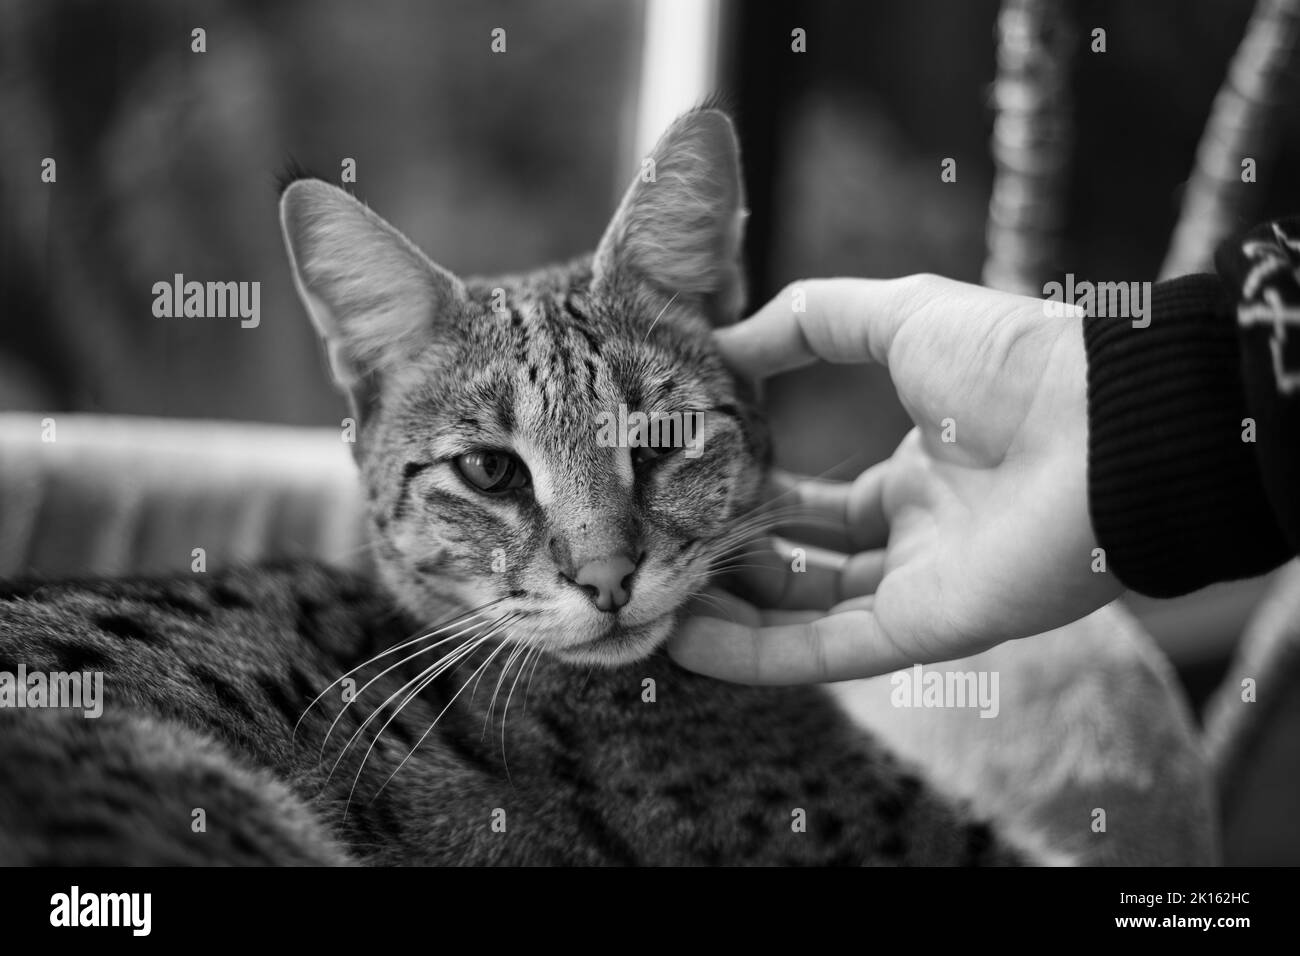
x=491, y=488
x=206, y=677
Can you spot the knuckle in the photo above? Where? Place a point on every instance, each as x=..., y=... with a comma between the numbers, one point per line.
x=817, y=647
x=921, y=284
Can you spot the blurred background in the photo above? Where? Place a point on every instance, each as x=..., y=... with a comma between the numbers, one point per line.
x=166, y=162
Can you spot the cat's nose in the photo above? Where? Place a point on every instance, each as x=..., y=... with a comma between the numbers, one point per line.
x=607, y=581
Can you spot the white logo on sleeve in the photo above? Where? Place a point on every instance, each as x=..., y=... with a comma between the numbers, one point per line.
x=1269, y=297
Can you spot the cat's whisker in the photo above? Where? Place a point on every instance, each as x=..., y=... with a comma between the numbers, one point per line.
x=537, y=659
x=748, y=533
x=749, y=541
x=432, y=671
x=786, y=512
x=487, y=719
x=474, y=693
x=736, y=563
x=501, y=624
x=446, y=625
x=425, y=679
x=767, y=502
x=707, y=598
x=391, y=667
x=347, y=745
x=717, y=561
x=733, y=546
x=515, y=648
x=732, y=568
x=747, y=548
x=740, y=534
x=712, y=601
x=772, y=519
x=477, y=675
x=757, y=526
x=505, y=714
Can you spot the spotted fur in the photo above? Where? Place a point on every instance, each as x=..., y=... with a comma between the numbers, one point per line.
x=565, y=734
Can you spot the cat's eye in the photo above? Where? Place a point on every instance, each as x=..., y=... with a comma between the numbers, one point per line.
x=492, y=472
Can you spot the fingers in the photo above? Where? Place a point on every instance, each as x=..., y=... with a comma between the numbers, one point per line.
x=841, y=646
x=834, y=320
x=844, y=516
x=717, y=603
x=793, y=576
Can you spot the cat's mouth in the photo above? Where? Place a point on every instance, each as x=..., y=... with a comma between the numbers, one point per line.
x=619, y=643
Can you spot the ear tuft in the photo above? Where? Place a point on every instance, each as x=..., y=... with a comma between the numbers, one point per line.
x=290, y=173
x=680, y=224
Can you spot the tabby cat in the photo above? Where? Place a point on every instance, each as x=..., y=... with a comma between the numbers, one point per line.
x=498, y=692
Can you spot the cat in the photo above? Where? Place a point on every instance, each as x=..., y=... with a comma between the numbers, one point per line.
x=496, y=692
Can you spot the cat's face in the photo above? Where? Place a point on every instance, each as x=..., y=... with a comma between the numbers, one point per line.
x=563, y=448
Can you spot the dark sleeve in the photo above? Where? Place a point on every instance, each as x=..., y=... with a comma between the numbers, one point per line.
x=1179, y=497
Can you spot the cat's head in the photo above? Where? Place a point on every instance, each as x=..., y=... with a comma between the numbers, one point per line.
x=501, y=429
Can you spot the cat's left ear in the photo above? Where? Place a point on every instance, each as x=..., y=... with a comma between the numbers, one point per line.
x=681, y=223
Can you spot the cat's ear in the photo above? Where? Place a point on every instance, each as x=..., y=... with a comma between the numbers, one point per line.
x=372, y=295
x=680, y=224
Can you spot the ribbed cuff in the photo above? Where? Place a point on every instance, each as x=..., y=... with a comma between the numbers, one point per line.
x=1174, y=492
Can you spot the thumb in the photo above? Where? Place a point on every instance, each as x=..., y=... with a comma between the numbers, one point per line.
x=831, y=320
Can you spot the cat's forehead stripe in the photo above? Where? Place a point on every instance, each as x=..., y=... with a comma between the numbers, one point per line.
x=544, y=364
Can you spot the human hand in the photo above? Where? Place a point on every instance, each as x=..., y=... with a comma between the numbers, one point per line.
x=975, y=531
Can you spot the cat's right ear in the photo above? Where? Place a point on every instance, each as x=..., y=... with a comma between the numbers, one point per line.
x=680, y=224
x=372, y=295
